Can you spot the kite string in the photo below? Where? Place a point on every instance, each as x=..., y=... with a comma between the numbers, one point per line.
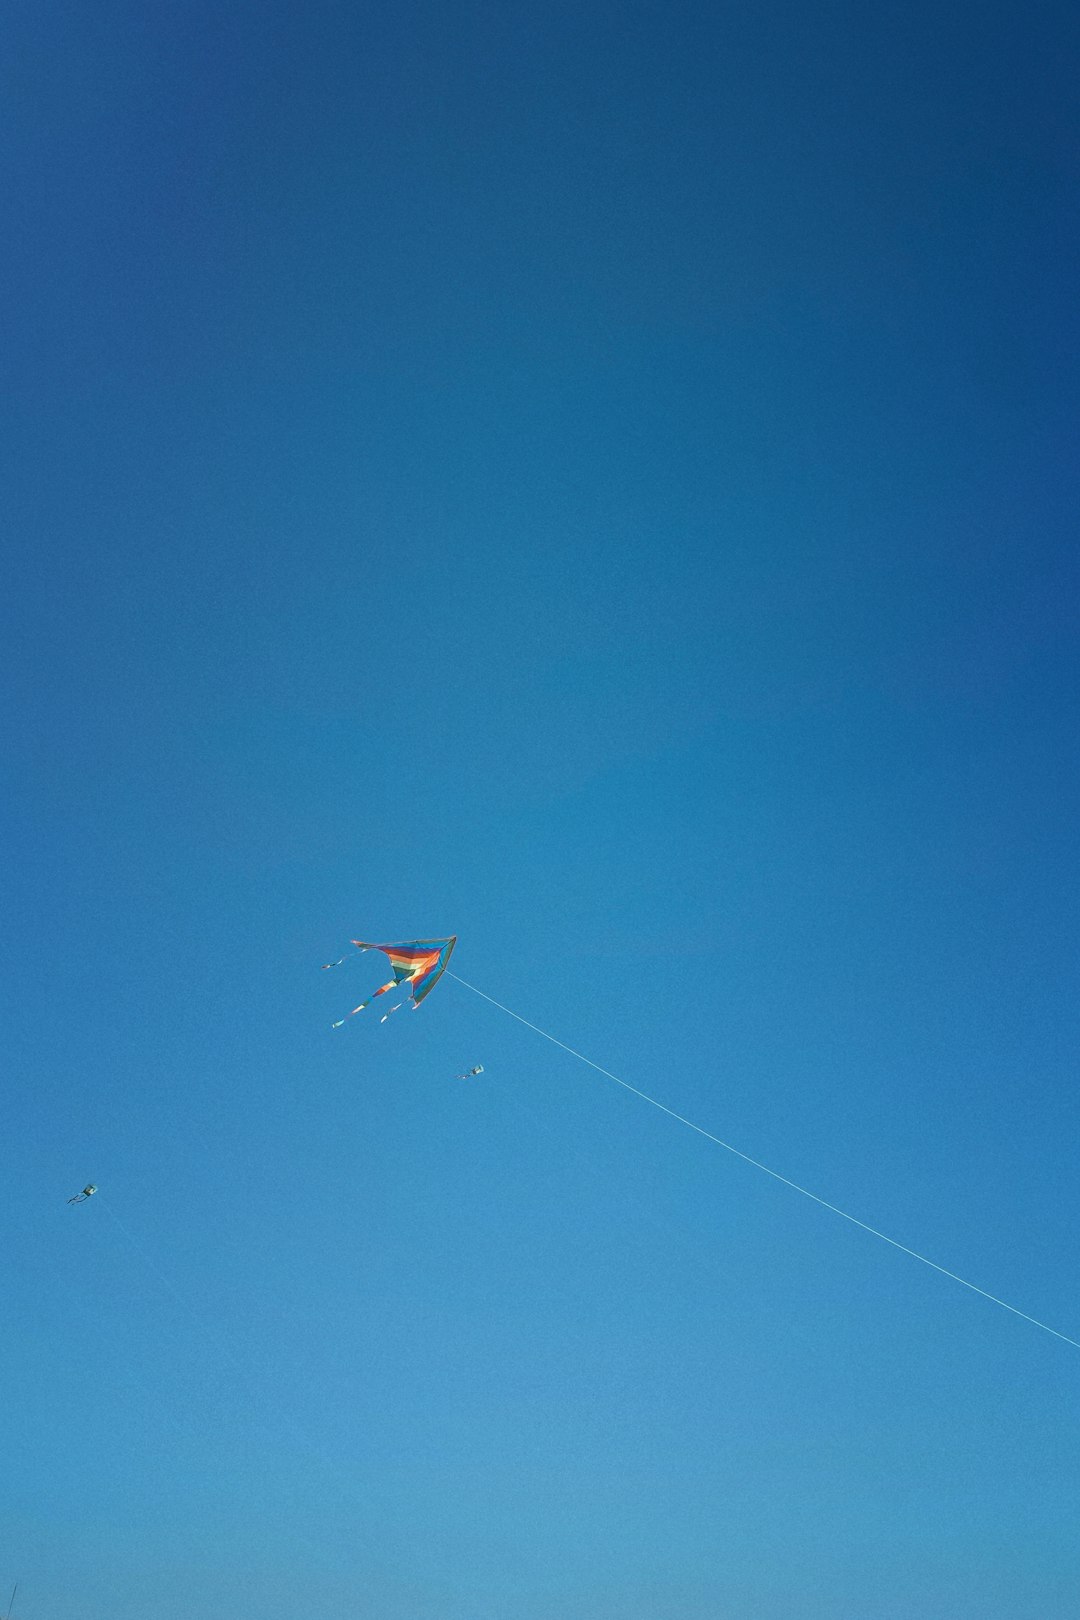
x=775, y=1174
x=179, y=1411
x=170, y=1287
x=279, y=1412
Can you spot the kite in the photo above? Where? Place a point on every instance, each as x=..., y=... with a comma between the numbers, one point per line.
x=418, y=965
x=470, y=1072
x=88, y=1192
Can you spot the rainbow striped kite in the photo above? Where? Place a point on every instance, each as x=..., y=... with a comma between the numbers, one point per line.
x=419, y=964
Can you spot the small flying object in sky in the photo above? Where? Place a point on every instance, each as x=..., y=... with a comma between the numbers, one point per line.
x=418, y=965
x=88, y=1192
x=470, y=1072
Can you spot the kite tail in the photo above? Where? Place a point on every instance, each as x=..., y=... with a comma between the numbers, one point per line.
x=341, y=959
x=381, y=991
x=393, y=1009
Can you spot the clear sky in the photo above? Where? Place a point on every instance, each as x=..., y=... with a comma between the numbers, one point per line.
x=600, y=479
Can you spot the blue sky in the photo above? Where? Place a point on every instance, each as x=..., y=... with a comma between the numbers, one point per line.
x=598, y=479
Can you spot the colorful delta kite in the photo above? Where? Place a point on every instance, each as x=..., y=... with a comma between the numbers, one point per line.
x=419, y=965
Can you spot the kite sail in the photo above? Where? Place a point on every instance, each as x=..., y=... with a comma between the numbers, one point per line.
x=418, y=965
x=469, y=1073
x=88, y=1192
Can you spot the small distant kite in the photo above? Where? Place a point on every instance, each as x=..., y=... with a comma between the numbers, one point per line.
x=470, y=1072
x=418, y=965
x=88, y=1192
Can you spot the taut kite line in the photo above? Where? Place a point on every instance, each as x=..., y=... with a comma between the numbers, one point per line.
x=775, y=1174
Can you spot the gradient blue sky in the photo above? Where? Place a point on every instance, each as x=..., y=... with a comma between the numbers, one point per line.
x=600, y=479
